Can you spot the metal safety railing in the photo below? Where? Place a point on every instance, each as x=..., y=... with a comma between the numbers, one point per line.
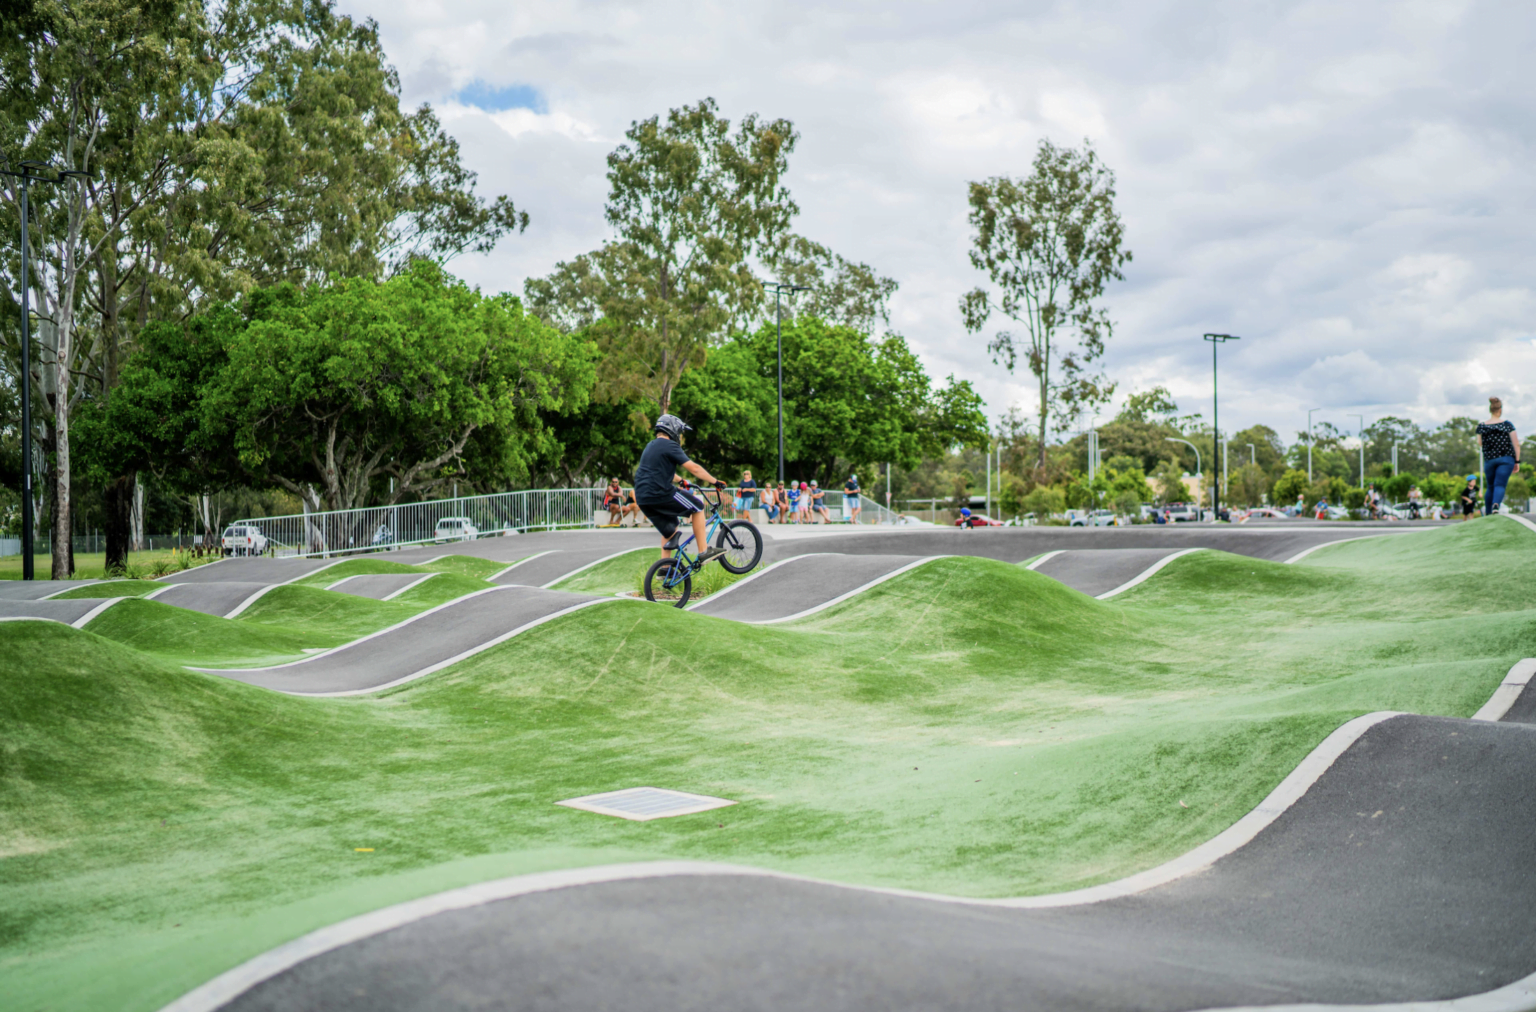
x=382, y=528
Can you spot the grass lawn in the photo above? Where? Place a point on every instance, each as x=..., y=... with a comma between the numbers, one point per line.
x=968, y=727
x=88, y=565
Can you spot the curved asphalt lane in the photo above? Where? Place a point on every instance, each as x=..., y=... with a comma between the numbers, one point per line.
x=1405, y=873
x=1099, y=571
x=405, y=651
x=801, y=584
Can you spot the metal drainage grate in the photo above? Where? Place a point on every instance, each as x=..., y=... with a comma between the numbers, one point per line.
x=642, y=804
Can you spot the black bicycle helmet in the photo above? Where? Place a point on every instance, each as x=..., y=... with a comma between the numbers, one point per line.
x=673, y=426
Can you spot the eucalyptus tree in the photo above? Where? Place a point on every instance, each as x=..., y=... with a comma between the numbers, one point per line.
x=838, y=291
x=228, y=144
x=691, y=202
x=1049, y=243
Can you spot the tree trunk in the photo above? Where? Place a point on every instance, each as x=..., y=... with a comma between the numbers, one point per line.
x=62, y=545
x=118, y=499
x=136, y=540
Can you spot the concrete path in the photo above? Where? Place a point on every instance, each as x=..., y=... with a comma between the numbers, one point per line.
x=1405, y=873
x=418, y=646
x=801, y=585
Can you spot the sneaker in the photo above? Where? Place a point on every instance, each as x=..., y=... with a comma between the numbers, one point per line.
x=708, y=554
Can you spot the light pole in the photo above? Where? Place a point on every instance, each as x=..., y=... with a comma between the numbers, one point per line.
x=1309, y=443
x=1361, y=433
x=27, y=175
x=779, y=288
x=1192, y=446
x=1216, y=340
x=1252, y=456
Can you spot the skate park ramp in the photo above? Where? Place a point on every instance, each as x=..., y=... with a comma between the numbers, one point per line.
x=379, y=586
x=1404, y=874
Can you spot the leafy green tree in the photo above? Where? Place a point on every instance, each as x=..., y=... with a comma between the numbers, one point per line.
x=1045, y=501
x=841, y=292
x=1290, y=485
x=847, y=398
x=226, y=144
x=1247, y=485
x=1049, y=244
x=329, y=392
x=691, y=203
x=1268, y=450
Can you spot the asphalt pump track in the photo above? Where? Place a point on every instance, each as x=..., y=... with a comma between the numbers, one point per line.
x=1393, y=869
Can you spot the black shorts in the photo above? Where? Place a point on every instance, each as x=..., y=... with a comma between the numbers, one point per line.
x=665, y=514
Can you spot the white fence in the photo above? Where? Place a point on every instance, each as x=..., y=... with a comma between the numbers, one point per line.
x=381, y=528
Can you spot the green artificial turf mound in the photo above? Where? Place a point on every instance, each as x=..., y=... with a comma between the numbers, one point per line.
x=112, y=588
x=339, y=571
x=466, y=565
x=968, y=727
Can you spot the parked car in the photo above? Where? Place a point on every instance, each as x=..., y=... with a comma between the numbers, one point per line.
x=1183, y=512
x=978, y=520
x=455, y=529
x=1093, y=518
x=1264, y=513
x=243, y=539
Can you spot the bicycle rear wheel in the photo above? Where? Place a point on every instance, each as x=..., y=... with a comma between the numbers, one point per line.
x=668, y=581
x=743, y=544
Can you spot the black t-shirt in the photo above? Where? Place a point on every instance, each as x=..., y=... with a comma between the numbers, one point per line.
x=1496, y=441
x=658, y=464
x=748, y=489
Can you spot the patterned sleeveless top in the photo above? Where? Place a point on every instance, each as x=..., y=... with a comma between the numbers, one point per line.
x=1496, y=441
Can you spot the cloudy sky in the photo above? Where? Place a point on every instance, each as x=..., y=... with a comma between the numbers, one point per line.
x=1345, y=186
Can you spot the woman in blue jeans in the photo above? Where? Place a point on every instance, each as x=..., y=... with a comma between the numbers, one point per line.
x=1501, y=454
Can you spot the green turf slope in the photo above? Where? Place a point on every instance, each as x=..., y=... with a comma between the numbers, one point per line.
x=1010, y=736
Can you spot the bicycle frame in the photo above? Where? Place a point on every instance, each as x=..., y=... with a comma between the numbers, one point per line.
x=691, y=562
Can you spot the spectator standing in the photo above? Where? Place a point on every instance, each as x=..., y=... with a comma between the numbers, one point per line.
x=793, y=507
x=1469, y=497
x=851, y=497
x=804, y=508
x=746, y=495
x=1501, y=455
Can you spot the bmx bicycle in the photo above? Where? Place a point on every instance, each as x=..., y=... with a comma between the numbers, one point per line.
x=670, y=581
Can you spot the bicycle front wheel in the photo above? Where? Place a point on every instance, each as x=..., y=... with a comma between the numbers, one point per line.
x=668, y=581
x=743, y=545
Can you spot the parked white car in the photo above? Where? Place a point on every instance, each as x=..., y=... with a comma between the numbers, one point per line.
x=1096, y=518
x=242, y=539
x=455, y=529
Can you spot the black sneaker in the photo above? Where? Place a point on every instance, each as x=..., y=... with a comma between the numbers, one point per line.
x=711, y=553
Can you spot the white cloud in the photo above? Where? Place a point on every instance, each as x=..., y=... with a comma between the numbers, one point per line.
x=1341, y=184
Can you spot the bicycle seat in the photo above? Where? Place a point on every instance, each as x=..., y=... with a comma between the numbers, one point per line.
x=673, y=540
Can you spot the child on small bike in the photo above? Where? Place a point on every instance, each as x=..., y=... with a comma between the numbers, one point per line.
x=663, y=504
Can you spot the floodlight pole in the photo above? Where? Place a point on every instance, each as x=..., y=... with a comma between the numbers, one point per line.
x=1361, y=433
x=1252, y=456
x=27, y=175
x=1215, y=341
x=1310, y=441
x=779, y=288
